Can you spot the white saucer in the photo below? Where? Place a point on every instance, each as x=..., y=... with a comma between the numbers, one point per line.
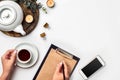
x=35, y=54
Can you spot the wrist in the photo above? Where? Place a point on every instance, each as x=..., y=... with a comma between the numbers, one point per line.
x=4, y=76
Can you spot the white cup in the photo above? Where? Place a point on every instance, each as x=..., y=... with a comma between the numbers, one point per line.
x=24, y=56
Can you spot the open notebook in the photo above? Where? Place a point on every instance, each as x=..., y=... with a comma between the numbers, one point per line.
x=53, y=57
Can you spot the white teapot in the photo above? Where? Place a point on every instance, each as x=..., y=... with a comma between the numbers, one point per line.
x=11, y=17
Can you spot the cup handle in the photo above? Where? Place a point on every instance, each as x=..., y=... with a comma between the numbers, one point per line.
x=19, y=29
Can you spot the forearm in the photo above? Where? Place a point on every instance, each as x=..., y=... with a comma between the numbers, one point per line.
x=4, y=76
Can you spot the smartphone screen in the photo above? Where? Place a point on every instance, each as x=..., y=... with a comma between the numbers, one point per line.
x=92, y=67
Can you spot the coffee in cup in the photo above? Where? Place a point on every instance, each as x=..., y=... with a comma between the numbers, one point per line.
x=24, y=56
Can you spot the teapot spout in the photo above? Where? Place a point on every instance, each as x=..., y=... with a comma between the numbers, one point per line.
x=19, y=29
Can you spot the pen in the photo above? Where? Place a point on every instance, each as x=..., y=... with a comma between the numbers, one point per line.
x=63, y=71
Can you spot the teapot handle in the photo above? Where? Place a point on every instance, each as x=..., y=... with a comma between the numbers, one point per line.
x=19, y=29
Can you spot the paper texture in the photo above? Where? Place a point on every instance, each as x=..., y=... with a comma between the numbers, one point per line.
x=49, y=66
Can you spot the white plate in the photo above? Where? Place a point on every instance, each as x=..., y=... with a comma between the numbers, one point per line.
x=35, y=54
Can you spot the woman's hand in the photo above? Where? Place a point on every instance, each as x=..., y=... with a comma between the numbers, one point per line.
x=8, y=61
x=58, y=75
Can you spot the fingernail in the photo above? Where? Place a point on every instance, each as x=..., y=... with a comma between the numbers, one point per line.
x=61, y=63
x=15, y=51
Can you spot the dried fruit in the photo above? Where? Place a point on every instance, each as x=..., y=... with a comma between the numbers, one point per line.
x=43, y=34
x=46, y=25
x=29, y=18
x=50, y=3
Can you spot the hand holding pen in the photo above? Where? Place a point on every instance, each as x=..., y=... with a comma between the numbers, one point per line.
x=61, y=72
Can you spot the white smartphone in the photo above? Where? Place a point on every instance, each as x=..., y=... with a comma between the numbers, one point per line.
x=92, y=67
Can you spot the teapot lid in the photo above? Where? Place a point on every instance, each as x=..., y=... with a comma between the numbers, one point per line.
x=7, y=15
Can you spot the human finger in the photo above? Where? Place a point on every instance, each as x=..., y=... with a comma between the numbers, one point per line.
x=59, y=67
x=7, y=53
x=13, y=55
x=66, y=70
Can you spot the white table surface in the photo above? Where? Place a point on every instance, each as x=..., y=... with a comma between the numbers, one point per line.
x=85, y=28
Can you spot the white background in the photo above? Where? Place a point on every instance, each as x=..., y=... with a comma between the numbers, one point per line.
x=85, y=28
